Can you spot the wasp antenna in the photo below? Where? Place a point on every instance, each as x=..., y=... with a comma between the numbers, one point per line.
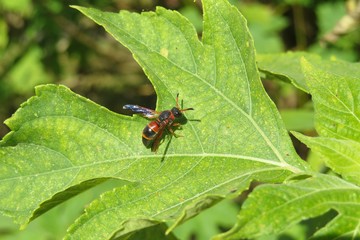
x=177, y=100
x=186, y=109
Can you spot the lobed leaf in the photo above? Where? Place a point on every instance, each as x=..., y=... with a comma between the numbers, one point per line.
x=287, y=204
x=230, y=101
x=334, y=86
x=62, y=143
x=336, y=96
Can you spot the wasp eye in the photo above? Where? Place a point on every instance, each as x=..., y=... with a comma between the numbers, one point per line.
x=177, y=113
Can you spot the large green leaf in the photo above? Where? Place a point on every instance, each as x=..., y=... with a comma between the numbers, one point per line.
x=336, y=94
x=62, y=144
x=285, y=205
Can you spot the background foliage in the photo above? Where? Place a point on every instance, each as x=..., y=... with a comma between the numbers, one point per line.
x=48, y=42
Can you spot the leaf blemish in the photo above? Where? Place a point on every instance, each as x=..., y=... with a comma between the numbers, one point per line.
x=164, y=52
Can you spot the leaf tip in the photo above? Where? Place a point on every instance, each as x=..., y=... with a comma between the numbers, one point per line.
x=75, y=6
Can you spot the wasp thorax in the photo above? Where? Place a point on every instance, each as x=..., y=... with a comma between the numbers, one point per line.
x=164, y=115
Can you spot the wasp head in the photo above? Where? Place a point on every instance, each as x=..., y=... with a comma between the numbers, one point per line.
x=176, y=112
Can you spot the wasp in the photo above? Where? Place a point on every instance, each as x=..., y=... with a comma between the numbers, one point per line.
x=165, y=120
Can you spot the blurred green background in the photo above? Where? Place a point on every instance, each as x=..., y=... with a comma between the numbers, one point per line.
x=49, y=42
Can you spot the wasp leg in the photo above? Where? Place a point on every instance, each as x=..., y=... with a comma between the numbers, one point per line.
x=172, y=131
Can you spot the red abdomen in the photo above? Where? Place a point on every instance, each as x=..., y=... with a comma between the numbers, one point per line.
x=149, y=133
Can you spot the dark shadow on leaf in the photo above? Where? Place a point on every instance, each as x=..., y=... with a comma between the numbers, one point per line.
x=166, y=148
x=69, y=193
x=153, y=231
x=298, y=177
x=314, y=224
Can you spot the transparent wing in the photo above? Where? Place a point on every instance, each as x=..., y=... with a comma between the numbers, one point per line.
x=145, y=112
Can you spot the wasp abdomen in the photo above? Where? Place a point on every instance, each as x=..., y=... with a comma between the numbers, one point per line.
x=149, y=133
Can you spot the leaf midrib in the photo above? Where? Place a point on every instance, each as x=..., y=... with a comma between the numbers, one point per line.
x=158, y=157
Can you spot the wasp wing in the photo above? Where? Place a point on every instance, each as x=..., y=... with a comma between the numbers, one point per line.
x=145, y=112
x=156, y=143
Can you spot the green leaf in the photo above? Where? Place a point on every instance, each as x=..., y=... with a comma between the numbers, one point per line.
x=342, y=156
x=290, y=203
x=335, y=87
x=62, y=144
x=59, y=141
x=286, y=67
